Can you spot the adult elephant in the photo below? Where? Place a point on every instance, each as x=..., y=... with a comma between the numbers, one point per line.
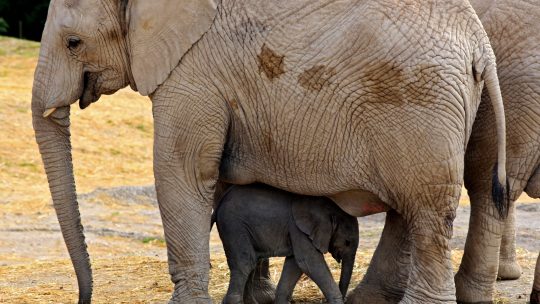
x=368, y=102
x=514, y=32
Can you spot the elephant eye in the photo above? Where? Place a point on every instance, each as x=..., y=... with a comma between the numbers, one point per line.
x=73, y=43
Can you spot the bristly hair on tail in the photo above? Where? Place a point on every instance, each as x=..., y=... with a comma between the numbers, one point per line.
x=500, y=194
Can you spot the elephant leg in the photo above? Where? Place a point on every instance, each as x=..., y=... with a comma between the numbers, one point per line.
x=188, y=144
x=535, y=295
x=311, y=262
x=509, y=268
x=289, y=277
x=475, y=280
x=240, y=271
x=388, y=271
x=259, y=287
x=430, y=227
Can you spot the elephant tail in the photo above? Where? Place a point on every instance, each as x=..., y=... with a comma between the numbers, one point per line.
x=500, y=186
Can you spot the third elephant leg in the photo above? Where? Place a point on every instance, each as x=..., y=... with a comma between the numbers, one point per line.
x=478, y=270
x=509, y=269
x=388, y=272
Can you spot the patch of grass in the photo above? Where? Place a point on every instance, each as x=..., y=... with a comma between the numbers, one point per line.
x=17, y=47
x=141, y=127
x=153, y=240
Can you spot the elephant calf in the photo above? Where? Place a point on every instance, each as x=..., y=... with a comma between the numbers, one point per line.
x=257, y=221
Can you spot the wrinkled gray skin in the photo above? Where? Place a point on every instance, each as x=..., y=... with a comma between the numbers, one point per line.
x=257, y=221
x=514, y=33
x=370, y=103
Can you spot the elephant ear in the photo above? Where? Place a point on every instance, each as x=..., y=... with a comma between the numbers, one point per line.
x=313, y=219
x=160, y=32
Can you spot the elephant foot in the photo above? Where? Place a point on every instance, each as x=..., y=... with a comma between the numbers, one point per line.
x=468, y=291
x=232, y=299
x=509, y=270
x=260, y=291
x=180, y=300
x=535, y=297
x=366, y=294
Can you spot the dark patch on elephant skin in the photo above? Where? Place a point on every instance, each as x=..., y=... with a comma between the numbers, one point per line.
x=317, y=77
x=271, y=63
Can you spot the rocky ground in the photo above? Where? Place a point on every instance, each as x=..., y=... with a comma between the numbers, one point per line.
x=124, y=233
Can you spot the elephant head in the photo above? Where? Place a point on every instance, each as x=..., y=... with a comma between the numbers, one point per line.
x=95, y=47
x=331, y=230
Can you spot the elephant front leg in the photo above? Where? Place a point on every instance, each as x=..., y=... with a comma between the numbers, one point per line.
x=311, y=261
x=187, y=149
x=388, y=272
x=289, y=277
x=475, y=280
x=509, y=268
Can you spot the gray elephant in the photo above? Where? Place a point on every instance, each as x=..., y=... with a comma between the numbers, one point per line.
x=258, y=221
x=514, y=33
x=370, y=103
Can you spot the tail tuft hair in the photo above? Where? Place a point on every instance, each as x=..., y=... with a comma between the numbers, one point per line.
x=500, y=195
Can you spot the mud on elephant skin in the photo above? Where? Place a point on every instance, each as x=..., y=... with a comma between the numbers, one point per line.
x=257, y=222
x=324, y=98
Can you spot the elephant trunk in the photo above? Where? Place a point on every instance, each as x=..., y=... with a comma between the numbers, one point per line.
x=347, y=265
x=53, y=138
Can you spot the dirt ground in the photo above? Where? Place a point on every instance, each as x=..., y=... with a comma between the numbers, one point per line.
x=125, y=241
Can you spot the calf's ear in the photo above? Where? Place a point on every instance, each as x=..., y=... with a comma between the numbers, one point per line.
x=313, y=219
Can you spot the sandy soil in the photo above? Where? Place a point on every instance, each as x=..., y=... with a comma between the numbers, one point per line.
x=125, y=240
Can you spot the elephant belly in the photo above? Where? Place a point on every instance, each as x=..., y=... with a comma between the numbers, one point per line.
x=359, y=202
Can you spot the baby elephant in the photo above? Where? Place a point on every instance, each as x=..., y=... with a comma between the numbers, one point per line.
x=258, y=221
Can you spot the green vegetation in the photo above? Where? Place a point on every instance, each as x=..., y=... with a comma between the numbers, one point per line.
x=16, y=47
x=153, y=240
x=23, y=18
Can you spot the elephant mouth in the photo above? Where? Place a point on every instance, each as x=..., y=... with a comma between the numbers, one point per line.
x=89, y=91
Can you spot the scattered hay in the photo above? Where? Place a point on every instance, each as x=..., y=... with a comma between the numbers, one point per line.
x=145, y=280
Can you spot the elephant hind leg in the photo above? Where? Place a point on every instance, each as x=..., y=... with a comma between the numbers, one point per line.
x=509, y=268
x=430, y=227
x=259, y=288
x=388, y=272
x=241, y=265
x=478, y=269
